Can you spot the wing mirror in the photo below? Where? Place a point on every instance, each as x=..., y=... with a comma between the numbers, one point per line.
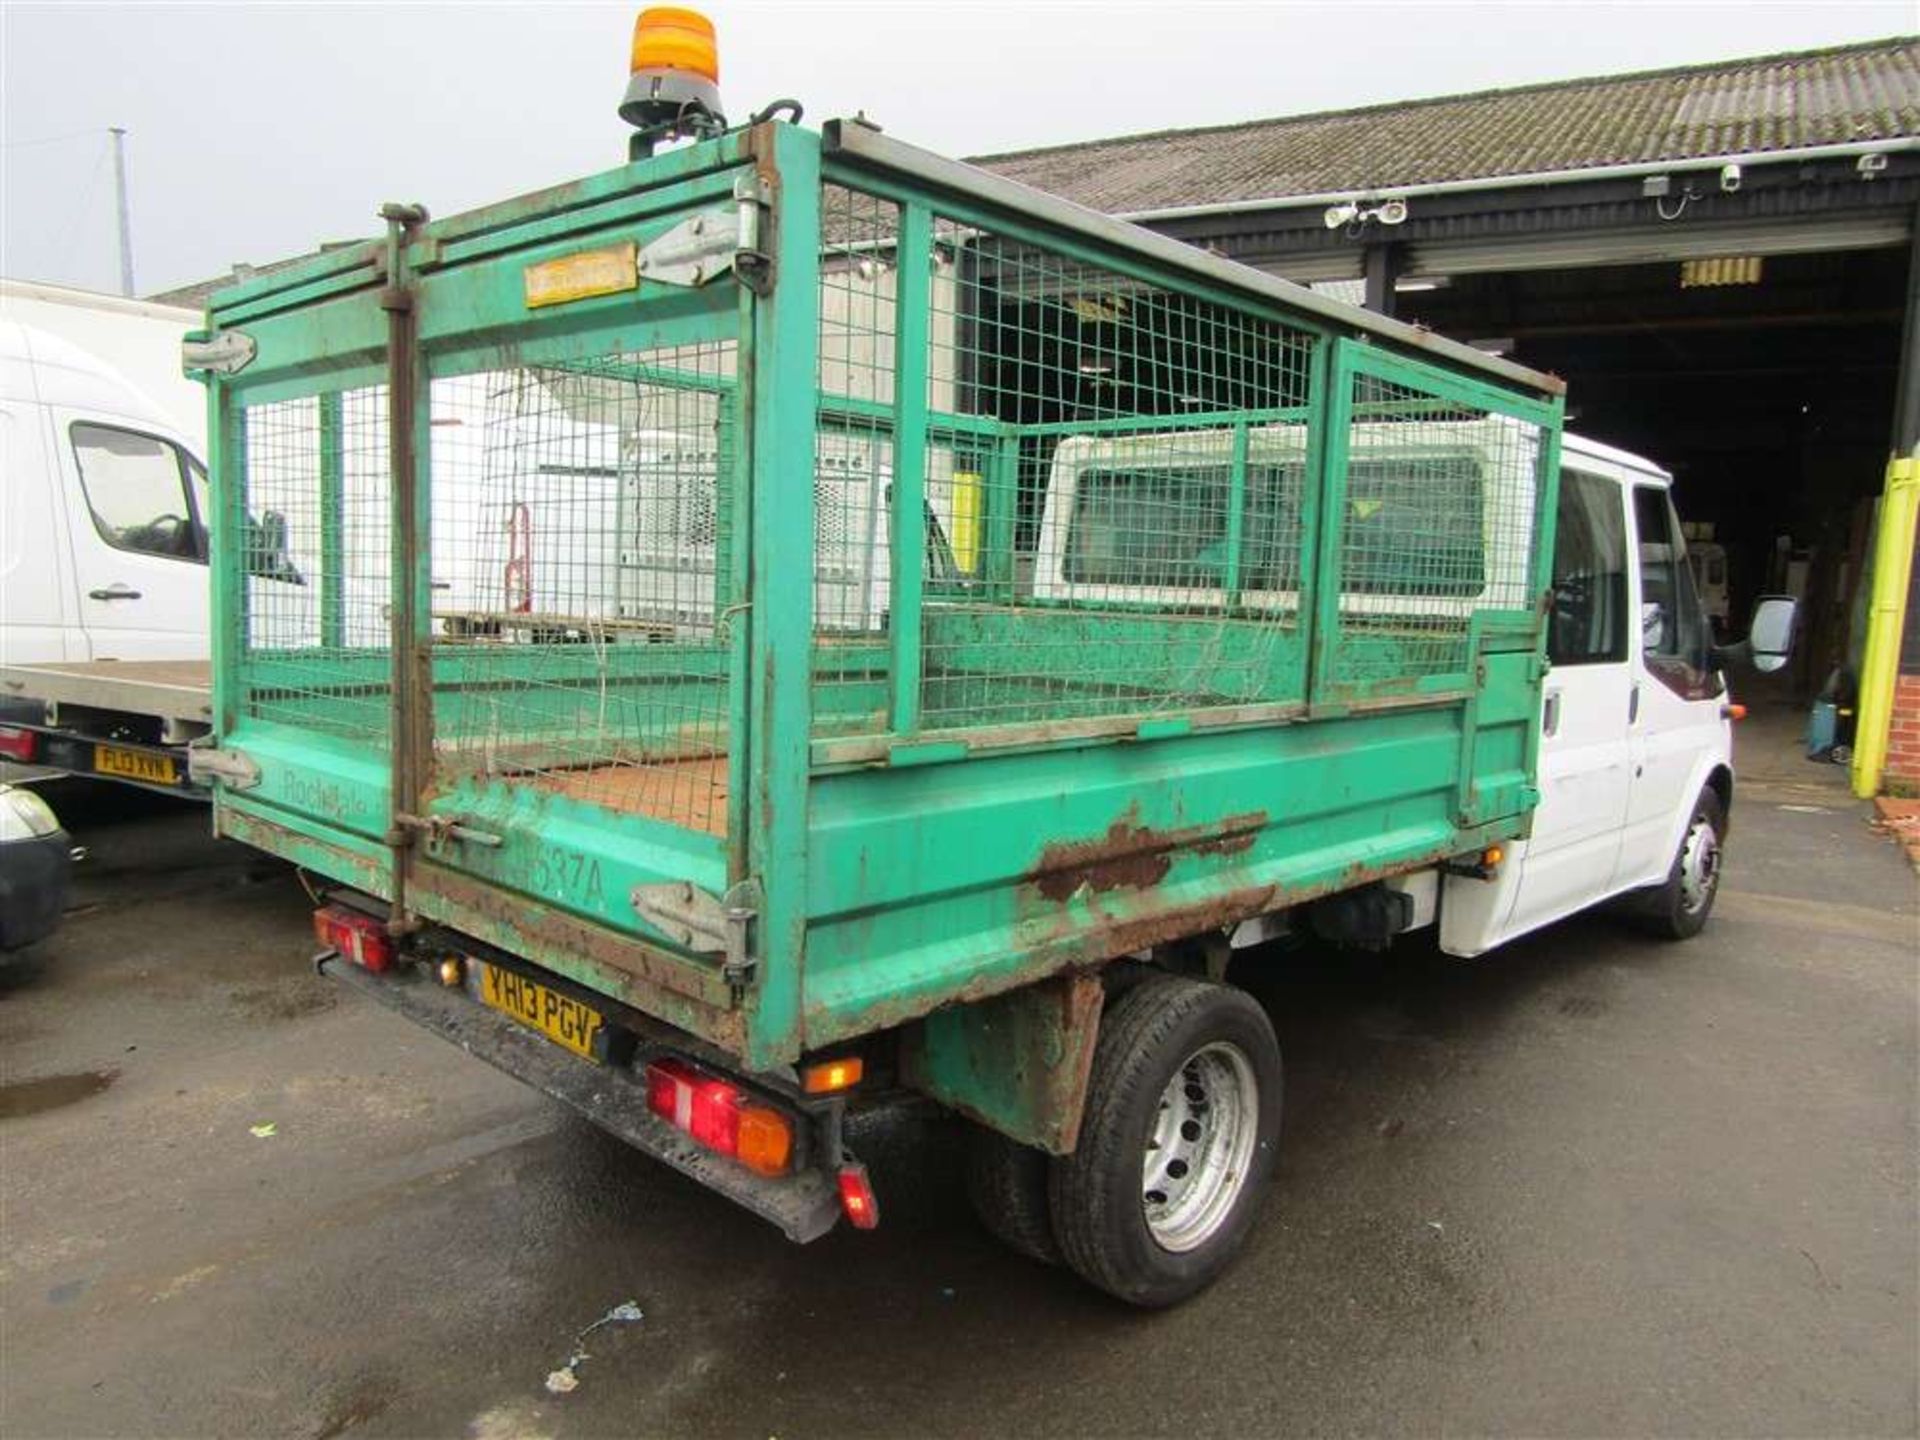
x=1770, y=636
x=1769, y=642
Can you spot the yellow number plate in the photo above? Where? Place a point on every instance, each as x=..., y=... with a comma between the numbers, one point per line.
x=563, y=1021
x=134, y=765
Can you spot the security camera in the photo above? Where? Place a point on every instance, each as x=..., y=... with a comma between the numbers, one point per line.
x=1729, y=178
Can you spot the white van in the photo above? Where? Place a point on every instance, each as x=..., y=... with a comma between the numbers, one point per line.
x=103, y=540
x=1636, y=753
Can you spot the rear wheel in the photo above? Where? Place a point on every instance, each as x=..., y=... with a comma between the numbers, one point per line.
x=1678, y=910
x=1180, y=1134
x=1007, y=1183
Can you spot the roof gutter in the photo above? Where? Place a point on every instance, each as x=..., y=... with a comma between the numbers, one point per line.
x=1636, y=170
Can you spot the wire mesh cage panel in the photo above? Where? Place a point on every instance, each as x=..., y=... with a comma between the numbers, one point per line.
x=311, y=521
x=1099, y=535
x=1436, y=511
x=853, y=459
x=584, y=583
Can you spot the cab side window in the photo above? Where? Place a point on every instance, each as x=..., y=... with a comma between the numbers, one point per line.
x=136, y=489
x=1674, y=636
x=1588, y=625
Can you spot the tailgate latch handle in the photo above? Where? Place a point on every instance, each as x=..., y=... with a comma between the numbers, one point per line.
x=440, y=829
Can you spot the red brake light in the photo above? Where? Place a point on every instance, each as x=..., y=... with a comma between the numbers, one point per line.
x=856, y=1197
x=15, y=743
x=719, y=1115
x=359, y=938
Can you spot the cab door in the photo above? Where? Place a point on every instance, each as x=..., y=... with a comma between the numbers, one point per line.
x=1677, y=725
x=139, y=542
x=1570, y=858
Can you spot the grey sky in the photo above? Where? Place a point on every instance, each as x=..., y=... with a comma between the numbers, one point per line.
x=259, y=130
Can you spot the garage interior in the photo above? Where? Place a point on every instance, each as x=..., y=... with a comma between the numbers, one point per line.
x=1770, y=399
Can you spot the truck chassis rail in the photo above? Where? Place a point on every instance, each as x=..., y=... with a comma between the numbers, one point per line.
x=805, y=1206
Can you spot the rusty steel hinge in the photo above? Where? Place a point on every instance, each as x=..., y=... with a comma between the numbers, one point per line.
x=752, y=261
x=704, y=923
x=207, y=763
x=217, y=352
x=708, y=244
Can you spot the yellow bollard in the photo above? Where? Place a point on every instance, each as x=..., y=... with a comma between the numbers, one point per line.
x=1887, y=609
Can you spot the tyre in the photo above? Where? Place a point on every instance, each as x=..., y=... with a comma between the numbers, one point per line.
x=1179, y=1137
x=1678, y=910
x=1007, y=1183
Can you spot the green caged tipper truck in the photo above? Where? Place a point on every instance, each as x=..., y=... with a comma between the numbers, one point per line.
x=793, y=622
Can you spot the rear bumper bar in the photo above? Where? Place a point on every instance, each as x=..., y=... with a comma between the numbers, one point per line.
x=805, y=1206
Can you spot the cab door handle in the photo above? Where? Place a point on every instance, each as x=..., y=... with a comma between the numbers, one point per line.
x=114, y=592
x=1550, y=721
x=1633, y=704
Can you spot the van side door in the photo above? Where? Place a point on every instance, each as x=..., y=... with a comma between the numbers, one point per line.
x=1677, y=727
x=139, y=542
x=1569, y=860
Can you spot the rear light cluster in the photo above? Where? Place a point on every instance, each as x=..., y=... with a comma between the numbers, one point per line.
x=15, y=743
x=721, y=1116
x=359, y=938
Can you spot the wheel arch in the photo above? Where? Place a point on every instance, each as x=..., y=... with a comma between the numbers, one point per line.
x=1720, y=781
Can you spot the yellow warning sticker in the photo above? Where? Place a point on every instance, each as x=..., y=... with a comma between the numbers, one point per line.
x=582, y=274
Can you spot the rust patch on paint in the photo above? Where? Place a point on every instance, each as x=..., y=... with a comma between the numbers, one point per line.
x=1132, y=856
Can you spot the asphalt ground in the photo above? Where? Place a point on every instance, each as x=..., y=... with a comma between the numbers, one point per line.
x=1590, y=1185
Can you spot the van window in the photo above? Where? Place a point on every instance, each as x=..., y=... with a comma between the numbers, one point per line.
x=1414, y=526
x=1149, y=527
x=1674, y=636
x=136, y=489
x=1270, y=556
x=1588, y=626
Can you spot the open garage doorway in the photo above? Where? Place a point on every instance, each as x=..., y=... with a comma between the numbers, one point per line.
x=1766, y=385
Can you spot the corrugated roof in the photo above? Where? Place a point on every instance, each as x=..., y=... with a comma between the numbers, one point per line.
x=1773, y=102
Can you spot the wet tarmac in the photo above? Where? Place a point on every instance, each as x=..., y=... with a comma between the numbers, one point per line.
x=1592, y=1185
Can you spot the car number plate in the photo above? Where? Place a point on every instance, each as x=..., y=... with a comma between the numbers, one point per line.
x=562, y=1020
x=134, y=765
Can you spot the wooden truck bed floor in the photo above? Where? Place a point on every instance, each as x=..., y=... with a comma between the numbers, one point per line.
x=691, y=793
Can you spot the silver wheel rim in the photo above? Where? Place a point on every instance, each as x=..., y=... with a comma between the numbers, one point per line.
x=1201, y=1146
x=1699, y=865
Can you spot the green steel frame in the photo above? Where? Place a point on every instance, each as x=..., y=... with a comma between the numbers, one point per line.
x=875, y=874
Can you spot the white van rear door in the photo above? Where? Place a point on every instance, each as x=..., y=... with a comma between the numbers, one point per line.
x=139, y=546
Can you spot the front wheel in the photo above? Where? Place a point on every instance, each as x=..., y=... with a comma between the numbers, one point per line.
x=1678, y=909
x=1179, y=1137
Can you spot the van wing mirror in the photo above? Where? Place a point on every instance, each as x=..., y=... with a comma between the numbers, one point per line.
x=1770, y=637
